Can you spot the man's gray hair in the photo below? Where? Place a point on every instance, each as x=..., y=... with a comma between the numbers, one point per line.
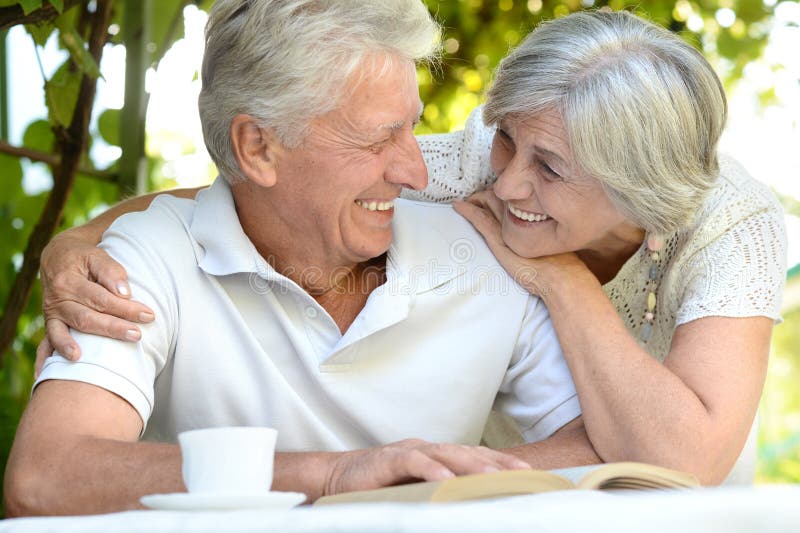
x=286, y=62
x=643, y=109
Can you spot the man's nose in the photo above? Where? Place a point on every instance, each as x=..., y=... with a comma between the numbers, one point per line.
x=407, y=168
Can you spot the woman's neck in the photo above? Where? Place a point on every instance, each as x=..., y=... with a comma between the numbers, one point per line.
x=606, y=257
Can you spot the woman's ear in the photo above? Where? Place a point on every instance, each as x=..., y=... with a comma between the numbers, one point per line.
x=255, y=149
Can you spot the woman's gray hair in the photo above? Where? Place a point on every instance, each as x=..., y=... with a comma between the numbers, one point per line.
x=286, y=62
x=643, y=109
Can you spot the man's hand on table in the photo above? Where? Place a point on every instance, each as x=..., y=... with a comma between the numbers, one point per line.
x=412, y=460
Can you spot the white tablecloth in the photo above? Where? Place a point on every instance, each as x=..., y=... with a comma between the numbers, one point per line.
x=761, y=509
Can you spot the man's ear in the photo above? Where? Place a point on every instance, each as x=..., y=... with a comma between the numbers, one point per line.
x=255, y=149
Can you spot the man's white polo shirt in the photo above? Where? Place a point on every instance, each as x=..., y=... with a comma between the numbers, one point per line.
x=448, y=337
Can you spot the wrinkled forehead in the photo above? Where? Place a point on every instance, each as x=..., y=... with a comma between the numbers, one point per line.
x=382, y=95
x=547, y=124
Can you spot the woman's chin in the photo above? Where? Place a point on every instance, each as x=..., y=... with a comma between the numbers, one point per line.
x=520, y=245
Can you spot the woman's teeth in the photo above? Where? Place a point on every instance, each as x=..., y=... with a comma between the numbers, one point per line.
x=526, y=215
x=375, y=206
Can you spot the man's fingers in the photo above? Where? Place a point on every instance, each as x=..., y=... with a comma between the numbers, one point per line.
x=109, y=273
x=414, y=464
x=60, y=340
x=508, y=461
x=90, y=321
x=465, y=460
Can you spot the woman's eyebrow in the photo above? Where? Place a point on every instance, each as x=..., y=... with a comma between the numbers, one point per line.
x=550, y=154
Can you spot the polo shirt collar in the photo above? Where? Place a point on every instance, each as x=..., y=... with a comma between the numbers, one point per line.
x=424, y=256
x=417, y=261
x=224, y=247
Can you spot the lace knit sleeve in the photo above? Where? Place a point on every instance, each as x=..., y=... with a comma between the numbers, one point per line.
x=739, y=274
x=458, y=162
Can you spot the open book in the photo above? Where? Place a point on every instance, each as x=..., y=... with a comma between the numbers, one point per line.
x=631, y=476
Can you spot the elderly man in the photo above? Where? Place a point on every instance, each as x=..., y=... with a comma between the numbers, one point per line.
x=297, y=292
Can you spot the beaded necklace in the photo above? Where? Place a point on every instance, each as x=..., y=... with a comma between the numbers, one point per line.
x=654, y=246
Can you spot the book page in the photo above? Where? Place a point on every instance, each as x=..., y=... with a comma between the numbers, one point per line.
x=626, y=475
x=576, y=473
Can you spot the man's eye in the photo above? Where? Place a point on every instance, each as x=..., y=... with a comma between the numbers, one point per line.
x=378, y=147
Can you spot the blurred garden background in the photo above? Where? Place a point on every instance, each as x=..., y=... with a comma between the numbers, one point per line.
x=68, y=152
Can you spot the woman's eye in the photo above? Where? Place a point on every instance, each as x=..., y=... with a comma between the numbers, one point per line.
x=504, y=136
x=548, y=171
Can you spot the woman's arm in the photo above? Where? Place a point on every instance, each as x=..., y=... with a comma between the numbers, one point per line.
x=691, y=413
x=84, y=288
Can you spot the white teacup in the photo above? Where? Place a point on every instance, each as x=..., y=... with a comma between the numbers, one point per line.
x=228, y=459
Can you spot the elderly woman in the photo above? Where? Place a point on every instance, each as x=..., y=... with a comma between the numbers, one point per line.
x=661, y=265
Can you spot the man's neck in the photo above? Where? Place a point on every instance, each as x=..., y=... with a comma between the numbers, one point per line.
x=341, y=287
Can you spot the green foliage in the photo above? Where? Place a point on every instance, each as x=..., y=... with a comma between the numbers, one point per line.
x=29, y=5
x=61, y=94
x=40, y=32
x=71, y=40
x=108, y=126
x=478, y=33
x=39, y=136
x=779, y=435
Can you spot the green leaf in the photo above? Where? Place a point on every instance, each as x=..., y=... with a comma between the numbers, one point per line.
x=108, y=125
x=39, y=136
x=29, y=5
x=58, y=4
x=163, y=14
x=11, y=175
x=61, y=94
x=40, y=32
x=76, y=46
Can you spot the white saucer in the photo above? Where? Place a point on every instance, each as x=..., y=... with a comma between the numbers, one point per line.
x=202, y=501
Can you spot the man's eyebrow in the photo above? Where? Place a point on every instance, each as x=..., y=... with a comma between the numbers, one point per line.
x=398, y=124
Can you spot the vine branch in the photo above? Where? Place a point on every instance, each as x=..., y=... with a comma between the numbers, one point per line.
x=54, y=161
x=72, y=144
x=13, y=15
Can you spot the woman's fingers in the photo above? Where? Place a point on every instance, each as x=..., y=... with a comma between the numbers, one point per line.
x=60, y=340
x=43, y=351
x=87, y=320
x=484, y=221
x=108, y=273
x=524, y=271
x=97, y=298
x=488, y=200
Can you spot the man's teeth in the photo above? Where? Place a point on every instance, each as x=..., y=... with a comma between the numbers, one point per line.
x=375, y=206
x=525, y=215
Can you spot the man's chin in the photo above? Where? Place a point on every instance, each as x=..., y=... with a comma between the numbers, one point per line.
x=374, y=247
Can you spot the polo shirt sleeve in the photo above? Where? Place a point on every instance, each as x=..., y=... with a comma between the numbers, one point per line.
x=537, y=390
x=129, y=369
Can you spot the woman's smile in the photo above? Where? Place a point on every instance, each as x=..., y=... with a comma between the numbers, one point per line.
x=521, y=216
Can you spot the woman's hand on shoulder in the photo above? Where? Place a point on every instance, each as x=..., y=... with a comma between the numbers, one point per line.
x=87, y=290
x=541, y=275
